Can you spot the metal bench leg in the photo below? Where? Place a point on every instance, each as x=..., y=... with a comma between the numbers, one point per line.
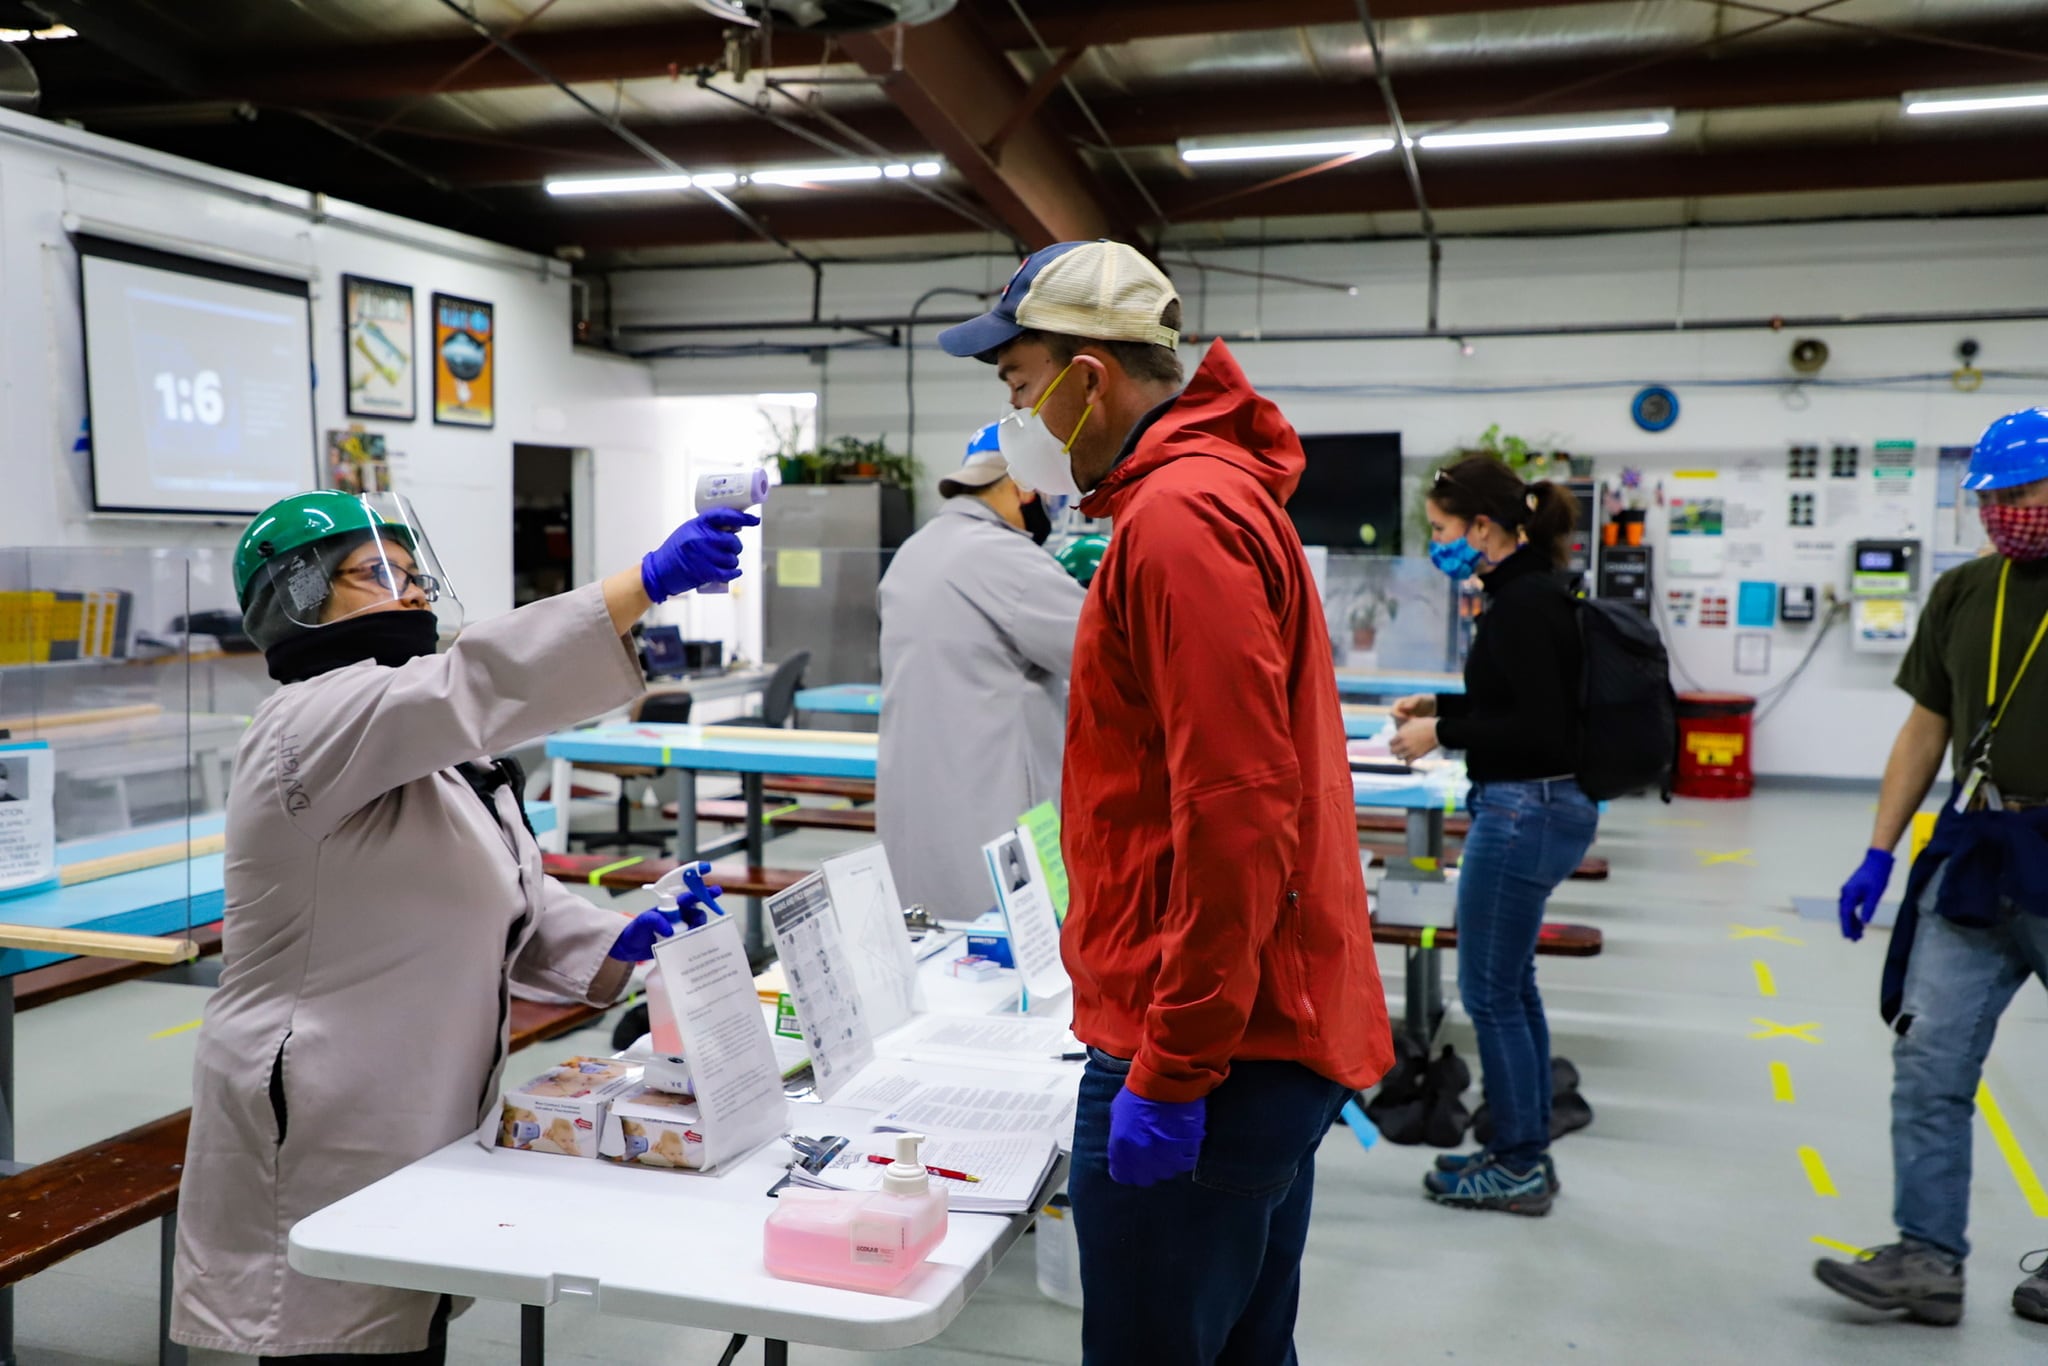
x=533, y=1335
x=757, y=937
x=6, y=1147
x=1423, y=1012
x=168, y=1353
x=775, y=1352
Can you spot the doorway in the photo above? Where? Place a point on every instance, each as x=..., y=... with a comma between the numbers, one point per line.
x=550, y=501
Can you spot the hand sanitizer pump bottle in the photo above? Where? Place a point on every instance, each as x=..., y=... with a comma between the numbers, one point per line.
x=856, y=1240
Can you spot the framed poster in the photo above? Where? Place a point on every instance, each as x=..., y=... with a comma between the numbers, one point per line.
x=377, y=349
x=463, y=376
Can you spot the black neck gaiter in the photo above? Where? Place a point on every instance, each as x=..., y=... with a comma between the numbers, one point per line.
x=389, y=638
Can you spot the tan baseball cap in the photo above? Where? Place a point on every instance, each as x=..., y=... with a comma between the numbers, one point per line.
x=1101, y=290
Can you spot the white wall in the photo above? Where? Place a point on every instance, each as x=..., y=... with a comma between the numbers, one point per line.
x=1838, y=720
x=547, y=391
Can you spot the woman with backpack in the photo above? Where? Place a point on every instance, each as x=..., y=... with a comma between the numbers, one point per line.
x=1519, y=725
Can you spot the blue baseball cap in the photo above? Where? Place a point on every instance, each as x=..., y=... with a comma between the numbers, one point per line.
x=1101, y=290
x=981, y=466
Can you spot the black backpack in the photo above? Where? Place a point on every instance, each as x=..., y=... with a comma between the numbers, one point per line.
x=1629, y=712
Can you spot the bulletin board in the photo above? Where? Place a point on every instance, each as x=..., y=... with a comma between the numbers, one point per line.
x=1729, y=532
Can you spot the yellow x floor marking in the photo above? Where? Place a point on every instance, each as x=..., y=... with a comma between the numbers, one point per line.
x=1833, y=1246
x=1770, y=932
x=1766, y=985
x=2009, y=1147
x=1781, y=1084
x=1817, y=1174
x=1771, y=1029
x=175, y=1030
x=1741, y=857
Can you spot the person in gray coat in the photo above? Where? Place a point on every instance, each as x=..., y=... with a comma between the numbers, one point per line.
x=382, y=891
x=977, y=639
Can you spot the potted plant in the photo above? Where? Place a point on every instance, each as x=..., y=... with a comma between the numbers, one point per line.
x=1366, y=615
x=1517, y=453
x=850, y=460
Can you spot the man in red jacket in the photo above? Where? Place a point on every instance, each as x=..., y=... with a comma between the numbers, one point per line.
x=1217, y=937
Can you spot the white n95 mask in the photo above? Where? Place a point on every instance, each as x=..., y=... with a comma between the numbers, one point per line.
x=1038, y=459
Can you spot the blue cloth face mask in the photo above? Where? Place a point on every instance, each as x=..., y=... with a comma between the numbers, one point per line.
x=1460, y=558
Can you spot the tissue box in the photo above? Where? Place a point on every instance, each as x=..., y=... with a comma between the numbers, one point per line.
x=563, y=1109
x=650, y=1128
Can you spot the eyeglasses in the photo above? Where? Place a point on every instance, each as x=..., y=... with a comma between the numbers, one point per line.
x=394, y=579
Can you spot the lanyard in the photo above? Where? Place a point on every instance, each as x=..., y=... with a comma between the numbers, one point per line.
x=1997, y=633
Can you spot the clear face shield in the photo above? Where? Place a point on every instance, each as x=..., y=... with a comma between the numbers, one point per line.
x=382, y=562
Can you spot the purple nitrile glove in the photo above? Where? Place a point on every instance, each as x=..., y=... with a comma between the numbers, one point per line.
x=1153, y=1140
x=636, y=942
x=1862, y=892
x=700, y=551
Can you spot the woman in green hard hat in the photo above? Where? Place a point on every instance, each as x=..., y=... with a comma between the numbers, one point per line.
x=382, y=893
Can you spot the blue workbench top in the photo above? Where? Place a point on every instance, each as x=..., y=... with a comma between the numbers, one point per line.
x=845, y=699
x=782, y=753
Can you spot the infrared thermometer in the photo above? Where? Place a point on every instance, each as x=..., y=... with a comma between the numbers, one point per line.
x=740, y=490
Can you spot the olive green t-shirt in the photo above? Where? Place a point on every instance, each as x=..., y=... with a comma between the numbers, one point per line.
x=1948, y=666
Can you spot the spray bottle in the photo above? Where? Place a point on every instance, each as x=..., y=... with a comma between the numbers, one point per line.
x=736, y=489
x=668, y=893
x=855, y=1239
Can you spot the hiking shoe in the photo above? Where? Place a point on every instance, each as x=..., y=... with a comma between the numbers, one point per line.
x=1457, y=1162
x=1927, y=1284
x=2030, y=1300
x=1486, y=1184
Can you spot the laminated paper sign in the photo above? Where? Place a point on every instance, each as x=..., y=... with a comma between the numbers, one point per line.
x=725, y=1038
x=28, y=821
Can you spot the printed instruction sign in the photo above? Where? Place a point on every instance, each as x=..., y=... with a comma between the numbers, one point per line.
x=1027, y=908
x=863, y=894
x=821, y=982
x=28, y=819
x=725, y=1038
x=1041, y=826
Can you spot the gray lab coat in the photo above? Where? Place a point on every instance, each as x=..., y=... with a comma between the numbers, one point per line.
x=977, y=640
x=375, y=913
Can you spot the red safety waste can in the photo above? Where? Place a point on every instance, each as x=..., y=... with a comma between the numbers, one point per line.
x=1714, y=733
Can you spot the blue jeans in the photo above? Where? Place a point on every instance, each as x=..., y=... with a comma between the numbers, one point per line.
x=1205, y=1269
x=1525, y=839
x=1958, y=982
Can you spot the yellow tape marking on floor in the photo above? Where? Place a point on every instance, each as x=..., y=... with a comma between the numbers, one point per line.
x=1766, y=985
x=1770, y=932
x=1771, y=1029
x=1739, y=857
x=1817, y=1174
x=1680, y=822
x=2002, y=1135
x=1833, y=1246
x=175, y=1030
x=1781, y=1083
x=597, y=875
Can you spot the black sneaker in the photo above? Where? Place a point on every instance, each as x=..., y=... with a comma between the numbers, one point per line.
x=1926, y=1283
x=2030, y=1298
x=1454, y=1163
x=1486, y=1184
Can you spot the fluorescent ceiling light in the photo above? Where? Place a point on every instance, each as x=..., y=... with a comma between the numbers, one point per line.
x=23, y=35
x=628, y=184
x=1531, y=137
x=816, y=175
x=1976, y=101
x=1280, y=151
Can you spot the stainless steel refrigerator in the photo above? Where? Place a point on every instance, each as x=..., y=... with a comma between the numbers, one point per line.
x=826, y=547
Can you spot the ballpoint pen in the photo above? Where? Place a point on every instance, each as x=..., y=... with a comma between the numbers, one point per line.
x=949, y=1174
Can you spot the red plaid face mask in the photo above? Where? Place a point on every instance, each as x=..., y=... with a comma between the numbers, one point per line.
x=2016, y=533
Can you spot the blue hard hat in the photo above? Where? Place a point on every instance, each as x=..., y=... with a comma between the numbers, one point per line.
x=2013, y=450
x=983, y=442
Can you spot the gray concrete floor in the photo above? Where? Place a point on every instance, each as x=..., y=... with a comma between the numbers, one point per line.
x=1685, y=1233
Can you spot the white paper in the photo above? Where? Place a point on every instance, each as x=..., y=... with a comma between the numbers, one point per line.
x=1010, y=1168
x=725, y=1038
x=1034, y=927
x=961, y=1037
x=28, y=823
x=929, y=1099
x=821, y=982
x=1753, y=653
x=877, y=946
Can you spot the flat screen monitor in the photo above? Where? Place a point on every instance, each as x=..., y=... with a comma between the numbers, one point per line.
x=1350, y=494
x=199, y=382
x=661, y=651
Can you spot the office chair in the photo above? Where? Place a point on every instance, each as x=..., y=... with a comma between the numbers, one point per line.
x=778, y=699
x=672, y=706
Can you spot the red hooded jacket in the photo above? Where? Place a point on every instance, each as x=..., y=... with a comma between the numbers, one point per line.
x=1218, y=905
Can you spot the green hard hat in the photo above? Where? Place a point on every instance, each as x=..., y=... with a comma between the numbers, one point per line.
x=301, y=520
x=1083, y=557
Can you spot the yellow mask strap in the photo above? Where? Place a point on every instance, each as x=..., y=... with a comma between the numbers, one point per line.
x=1050, y=387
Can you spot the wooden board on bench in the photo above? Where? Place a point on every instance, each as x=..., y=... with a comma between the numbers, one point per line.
x=730, y=812
x=861, y=790
x=59, y=1208
x=1561, y=940
x=747, y=880
x=1589, y=869
x=76, y=976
